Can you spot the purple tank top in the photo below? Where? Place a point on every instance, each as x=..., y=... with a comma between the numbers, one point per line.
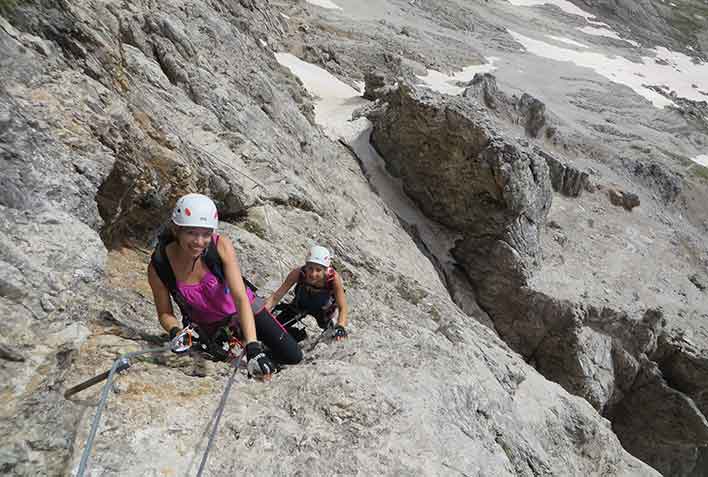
x=210, y=300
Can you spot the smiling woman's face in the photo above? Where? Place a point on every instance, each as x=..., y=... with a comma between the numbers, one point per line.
x=194, y=240
x=314, y=273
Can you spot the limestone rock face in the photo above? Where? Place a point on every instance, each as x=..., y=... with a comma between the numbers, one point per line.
x=565, y=178
x=457, y=163
x=466, y=176
x=526, y=111
x=111, y=110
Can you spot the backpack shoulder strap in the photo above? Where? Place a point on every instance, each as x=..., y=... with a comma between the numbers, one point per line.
x=161, y=264
x=331, y=275
x=213, y=261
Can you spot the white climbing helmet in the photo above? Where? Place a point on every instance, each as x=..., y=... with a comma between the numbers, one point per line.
x=319, y=255
x=195, y=210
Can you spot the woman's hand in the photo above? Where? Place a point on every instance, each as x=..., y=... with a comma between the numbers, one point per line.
x=340, y=333
x=259, y=364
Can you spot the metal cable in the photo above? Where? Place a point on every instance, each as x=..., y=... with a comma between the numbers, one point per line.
x=102, y=403
x=219, y=412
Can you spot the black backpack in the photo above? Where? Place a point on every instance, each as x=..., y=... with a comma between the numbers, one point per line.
x=161, y=264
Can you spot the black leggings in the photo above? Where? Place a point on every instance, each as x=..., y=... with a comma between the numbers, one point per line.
x=283, y=347
x=288, y=312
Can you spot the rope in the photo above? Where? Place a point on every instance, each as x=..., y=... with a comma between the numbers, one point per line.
x=102, y=402
x=270, y=232
x=219, y=412
x=220, y=161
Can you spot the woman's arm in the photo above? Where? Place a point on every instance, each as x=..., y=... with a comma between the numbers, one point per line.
x=232, y=275
x=341, y=300
x=278, y=294
x=163, y=304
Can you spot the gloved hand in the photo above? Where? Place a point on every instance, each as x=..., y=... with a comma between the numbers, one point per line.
x=259, y=365
x=339, y=332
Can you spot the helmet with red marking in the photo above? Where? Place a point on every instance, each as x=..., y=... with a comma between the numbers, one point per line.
x=195, y=210
x=319, y=255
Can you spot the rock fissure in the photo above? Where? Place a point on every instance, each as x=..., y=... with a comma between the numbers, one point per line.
x=599, y=354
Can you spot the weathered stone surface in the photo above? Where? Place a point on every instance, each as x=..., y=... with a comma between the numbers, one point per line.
x=526, y=111
x=661, y=425
x=591, y=352
x=108, y=112
x=565, y=178
x=699, y=280
x=374, y=85
x=464, y=175
x=620, y=198
x=8, y=353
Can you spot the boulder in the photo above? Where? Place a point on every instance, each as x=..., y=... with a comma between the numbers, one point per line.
x=628, y=200
x=465, y=175
x=565, y=178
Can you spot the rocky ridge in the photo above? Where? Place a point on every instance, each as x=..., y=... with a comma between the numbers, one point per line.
x=128, y=108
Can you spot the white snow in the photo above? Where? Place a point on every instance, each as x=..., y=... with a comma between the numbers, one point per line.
x=333, y=111
x=443, y=83
x=679, y=74
x=567, y=40
x=702, y=160
x=596, y=31
x=316, y=80
x=562, y=4
x=336, y=99
x=325, y=4
x=600, y=24
x=600, y=28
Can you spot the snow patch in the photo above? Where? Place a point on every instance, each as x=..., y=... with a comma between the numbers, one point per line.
x=333, y=112
x=702, y=160
x=600, y=28
x=316, y=80
x=567, y=40
x=562, y=4
x=443, y=83
x=335, y=99
x=325, y=4
x=606, y=32
x=674, y=70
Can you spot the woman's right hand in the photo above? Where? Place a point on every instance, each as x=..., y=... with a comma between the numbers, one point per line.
x=259, y=364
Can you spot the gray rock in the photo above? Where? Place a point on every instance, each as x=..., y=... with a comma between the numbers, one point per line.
x=620, y=198
x=661, y=425
x=374, y=81
x=8, y=353
x=565, y=179
x=699, y=281
x=527, y=111
x=134, y=106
